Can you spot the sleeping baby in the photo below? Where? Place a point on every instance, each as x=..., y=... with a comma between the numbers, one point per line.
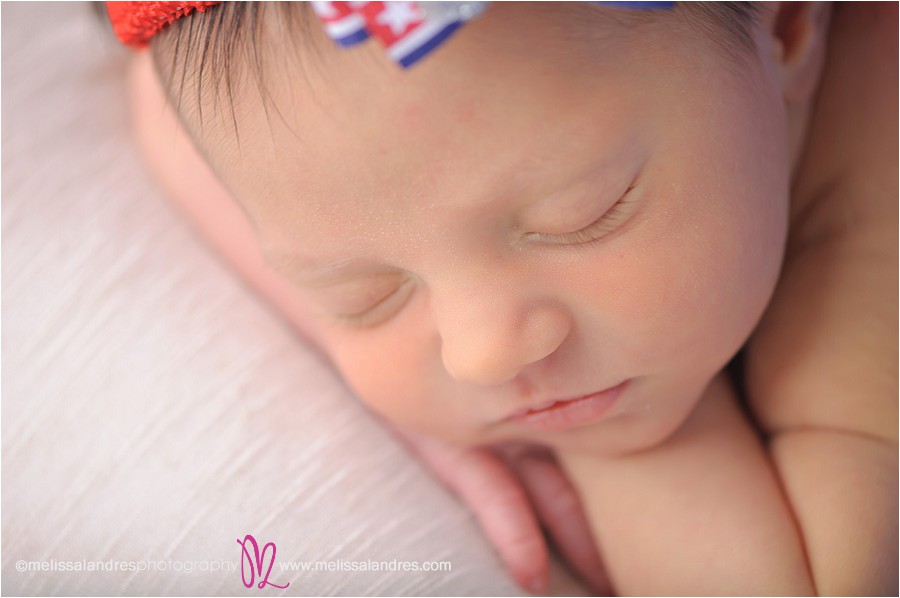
x=555, y=224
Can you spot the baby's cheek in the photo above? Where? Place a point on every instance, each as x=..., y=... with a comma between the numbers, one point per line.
x=376, y=376
x=388, y=368
x=725, y=286
x=687, y=296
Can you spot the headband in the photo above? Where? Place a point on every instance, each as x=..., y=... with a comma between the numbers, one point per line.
x=408, y=30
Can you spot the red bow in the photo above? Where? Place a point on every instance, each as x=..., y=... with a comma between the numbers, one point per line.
x=136, y=22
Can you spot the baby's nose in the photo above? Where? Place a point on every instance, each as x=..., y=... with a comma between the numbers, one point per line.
x=491, y=342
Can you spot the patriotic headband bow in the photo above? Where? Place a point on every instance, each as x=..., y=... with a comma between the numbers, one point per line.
x=408, y=30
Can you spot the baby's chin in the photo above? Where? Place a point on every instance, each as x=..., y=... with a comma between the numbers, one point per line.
x=615, y=438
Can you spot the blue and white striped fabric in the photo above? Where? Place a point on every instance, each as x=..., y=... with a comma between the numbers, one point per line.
x=409, y=31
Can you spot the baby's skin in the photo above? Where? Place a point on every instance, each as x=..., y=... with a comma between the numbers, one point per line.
x=520, y=232
x=821, y=382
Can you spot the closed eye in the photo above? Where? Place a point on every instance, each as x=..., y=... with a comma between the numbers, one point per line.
x=380, y=310
x=609, y=221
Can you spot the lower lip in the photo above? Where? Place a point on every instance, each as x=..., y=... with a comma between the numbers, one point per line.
x=572, y=413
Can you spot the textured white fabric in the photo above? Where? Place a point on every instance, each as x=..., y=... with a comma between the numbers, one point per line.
x=152, y=406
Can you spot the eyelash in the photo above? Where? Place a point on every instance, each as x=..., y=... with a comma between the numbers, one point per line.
x=594, y=231
x=369, y=317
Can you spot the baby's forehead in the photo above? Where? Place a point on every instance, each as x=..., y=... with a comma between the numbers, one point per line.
x=455, y=152
x=493, y=73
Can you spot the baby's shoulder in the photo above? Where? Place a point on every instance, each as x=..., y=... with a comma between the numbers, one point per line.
x=825, y=353
x=845, y=190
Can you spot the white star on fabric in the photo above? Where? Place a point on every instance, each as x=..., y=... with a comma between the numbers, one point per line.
x=398, y=16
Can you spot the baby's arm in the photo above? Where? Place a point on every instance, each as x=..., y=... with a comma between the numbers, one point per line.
x=822, y=368
x=700, y=514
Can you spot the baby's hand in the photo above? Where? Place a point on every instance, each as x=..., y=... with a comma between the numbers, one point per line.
x=514, y=490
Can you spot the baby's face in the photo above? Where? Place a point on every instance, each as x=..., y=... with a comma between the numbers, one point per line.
x=514, y=221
